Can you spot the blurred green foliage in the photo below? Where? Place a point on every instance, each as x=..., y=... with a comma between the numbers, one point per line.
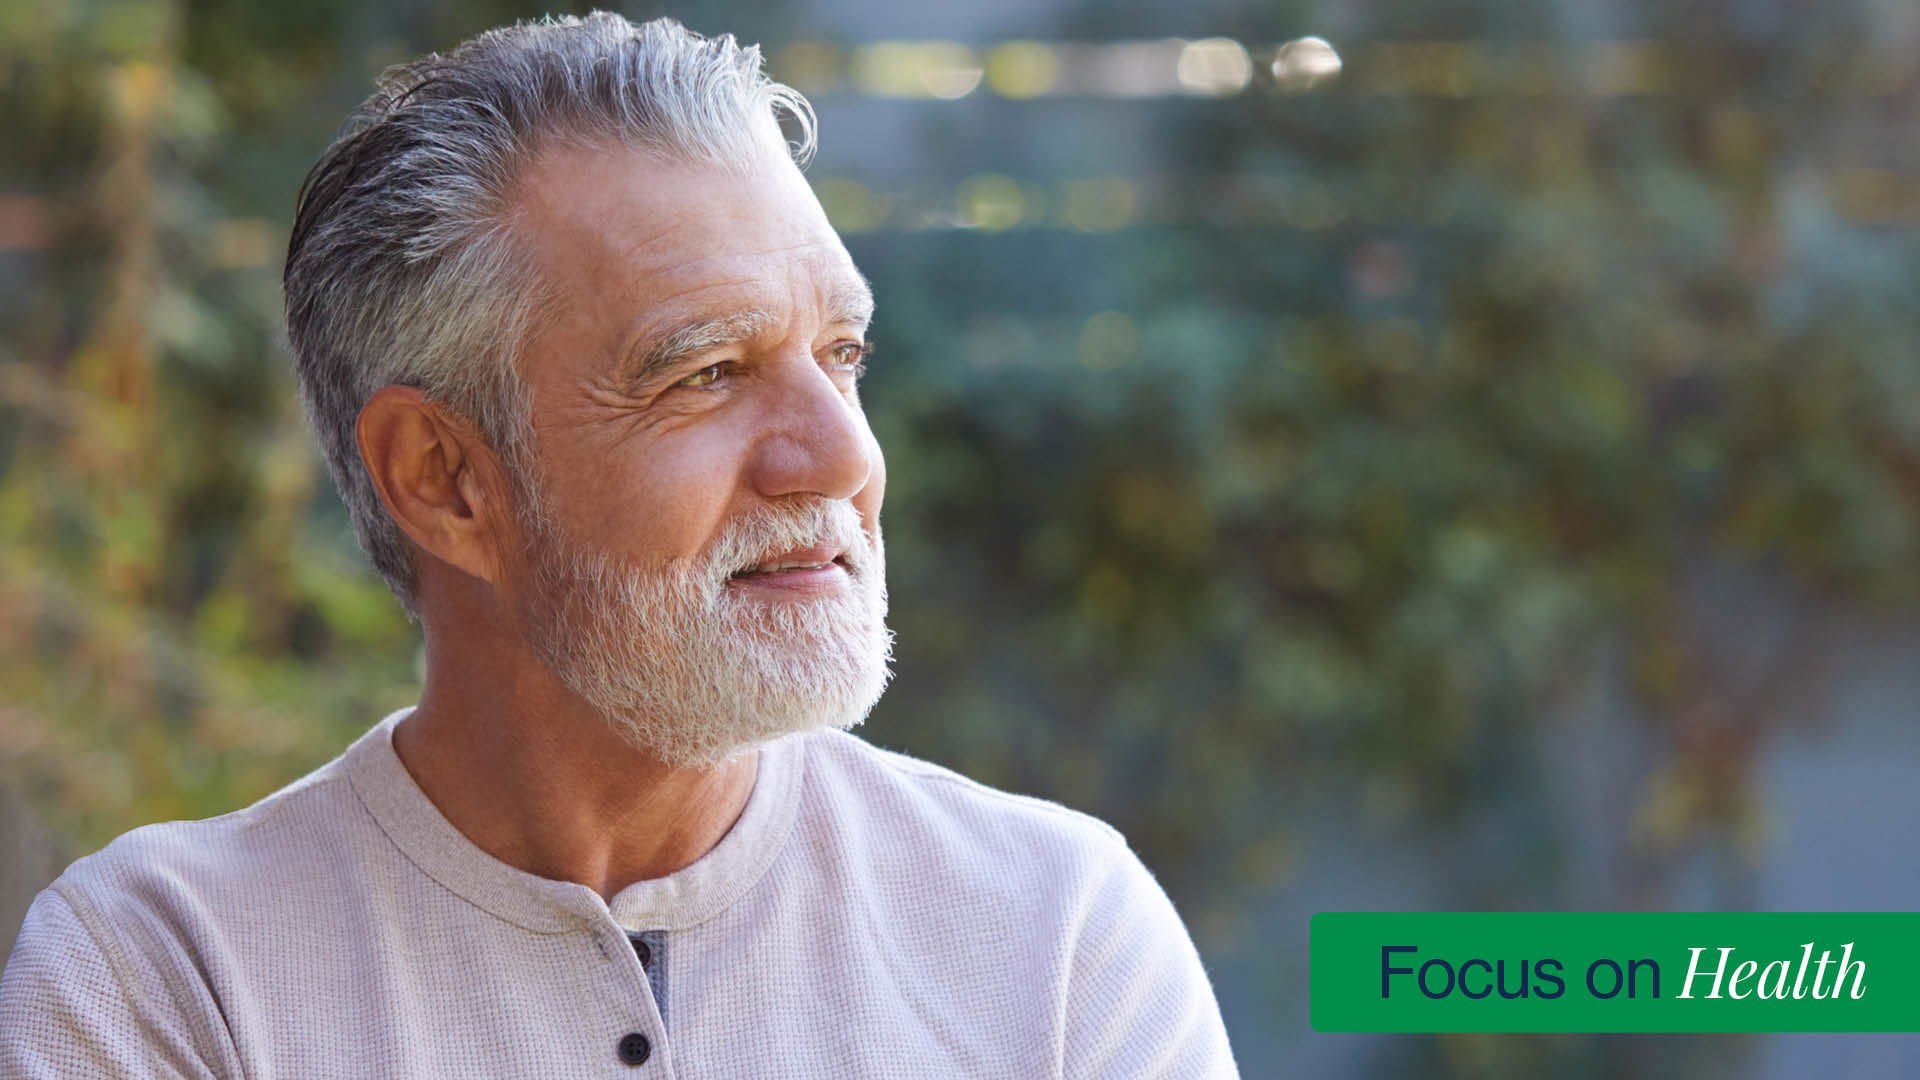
x=1317, y=478
x=1407, y=403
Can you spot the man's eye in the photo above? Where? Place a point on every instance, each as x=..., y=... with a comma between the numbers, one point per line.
x=706, y=376
x=852, y=356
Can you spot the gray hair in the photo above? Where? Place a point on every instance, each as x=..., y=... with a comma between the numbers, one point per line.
x=401, y=268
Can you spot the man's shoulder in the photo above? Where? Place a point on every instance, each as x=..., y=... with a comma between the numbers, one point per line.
x=139, y=949
x=936, y=815
x=230, y=861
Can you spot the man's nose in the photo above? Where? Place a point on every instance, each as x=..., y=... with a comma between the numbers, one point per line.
x=816, y=440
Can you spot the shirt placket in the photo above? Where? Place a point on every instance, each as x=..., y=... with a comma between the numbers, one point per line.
x=635, y=965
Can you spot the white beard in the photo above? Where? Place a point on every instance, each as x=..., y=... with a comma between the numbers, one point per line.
x=693, y=671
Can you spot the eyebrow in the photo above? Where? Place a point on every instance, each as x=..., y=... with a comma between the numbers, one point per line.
x=851, y=301
x=848, y=302
x=698, y=337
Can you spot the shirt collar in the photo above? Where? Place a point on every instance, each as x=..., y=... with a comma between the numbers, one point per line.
x=685, y=898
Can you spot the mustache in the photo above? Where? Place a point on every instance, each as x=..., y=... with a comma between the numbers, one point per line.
x=772, y=529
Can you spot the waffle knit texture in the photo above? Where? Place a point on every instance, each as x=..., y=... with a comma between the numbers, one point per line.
x=869, y=915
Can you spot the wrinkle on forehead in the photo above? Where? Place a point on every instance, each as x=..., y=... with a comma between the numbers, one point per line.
x=824, y=279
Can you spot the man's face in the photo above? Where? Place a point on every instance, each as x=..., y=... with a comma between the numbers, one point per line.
x=702, y=508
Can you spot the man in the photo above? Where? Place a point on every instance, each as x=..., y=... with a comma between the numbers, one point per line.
x=583, y=354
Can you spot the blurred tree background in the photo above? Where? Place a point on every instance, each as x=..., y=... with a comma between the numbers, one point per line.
x=1279, y=443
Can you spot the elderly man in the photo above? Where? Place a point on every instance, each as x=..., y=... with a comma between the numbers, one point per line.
x=584, y=356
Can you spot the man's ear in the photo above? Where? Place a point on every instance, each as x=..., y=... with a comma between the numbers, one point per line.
x=438, y=478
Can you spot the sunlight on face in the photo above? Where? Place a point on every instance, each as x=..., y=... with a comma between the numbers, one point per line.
x=700, y=497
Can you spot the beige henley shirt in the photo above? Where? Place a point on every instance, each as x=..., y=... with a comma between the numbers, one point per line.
x=869, y=915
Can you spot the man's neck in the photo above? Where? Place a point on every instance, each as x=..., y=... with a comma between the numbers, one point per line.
x=540, y=783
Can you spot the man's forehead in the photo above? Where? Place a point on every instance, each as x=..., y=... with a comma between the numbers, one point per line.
x=626, y=234
x=631, y=205
x=825, y=283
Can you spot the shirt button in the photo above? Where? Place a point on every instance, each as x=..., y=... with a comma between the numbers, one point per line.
x=642, y=950
x=634, y=1048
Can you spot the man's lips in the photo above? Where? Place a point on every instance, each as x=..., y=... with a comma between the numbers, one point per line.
x=822, y=565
